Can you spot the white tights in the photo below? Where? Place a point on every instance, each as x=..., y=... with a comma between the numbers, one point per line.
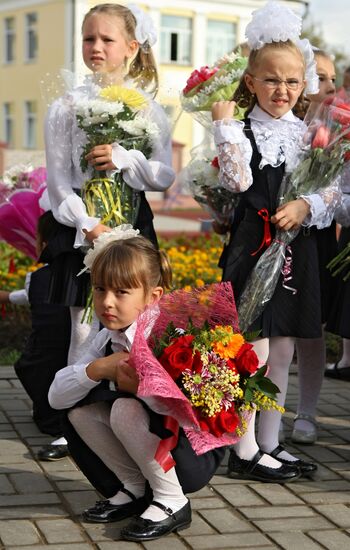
x=345, y=360
x=278, y=353
x=120, y=436
x=311, y=353
x=247, y=447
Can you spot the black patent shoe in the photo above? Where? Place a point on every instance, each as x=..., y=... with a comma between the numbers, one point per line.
x=250, y=469
x=338, y=373
x=105, y=512
x=306, y=468
x=140, y=529
x=53, y=452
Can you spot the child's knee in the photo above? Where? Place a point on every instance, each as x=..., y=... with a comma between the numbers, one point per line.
x=125, y=411
x=76, y=416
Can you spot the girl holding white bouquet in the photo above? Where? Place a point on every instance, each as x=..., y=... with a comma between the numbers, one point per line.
x=117, y=48
x=117, y=45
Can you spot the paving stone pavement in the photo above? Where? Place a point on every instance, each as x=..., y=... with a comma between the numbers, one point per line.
x=40, y=502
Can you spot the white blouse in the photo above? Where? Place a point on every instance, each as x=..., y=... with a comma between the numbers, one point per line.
x=277, y=141
x=72, y=384
x=64, y=142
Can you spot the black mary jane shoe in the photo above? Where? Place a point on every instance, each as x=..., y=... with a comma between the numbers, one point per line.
x=53, y=452
x=338, y=373
x=140, y=529
x=250, y=469
x=105, y=512
x=306, y=468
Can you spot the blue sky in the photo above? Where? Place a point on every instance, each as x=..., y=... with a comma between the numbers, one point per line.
x=333, y=16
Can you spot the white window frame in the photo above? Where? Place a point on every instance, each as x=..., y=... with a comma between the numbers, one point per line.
x=30, y=124
x=9, y=36
x=183, y=36
x=8, y=123
x=30, y=34
x=213, y=38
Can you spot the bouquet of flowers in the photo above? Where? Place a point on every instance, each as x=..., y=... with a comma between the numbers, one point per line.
x=210, y=84
x=20, y=191
x=323, y=153
x=198, y=370
x=201, y=176
x=116, y=115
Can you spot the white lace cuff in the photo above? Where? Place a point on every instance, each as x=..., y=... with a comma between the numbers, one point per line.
x=228, y=131
x=318, y=214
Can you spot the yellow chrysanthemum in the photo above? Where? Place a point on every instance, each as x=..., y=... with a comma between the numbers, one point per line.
x=131, y=98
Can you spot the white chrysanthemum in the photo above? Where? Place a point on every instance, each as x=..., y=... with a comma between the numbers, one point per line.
x=120, y=233
x=97, y=108
x=140, y=126
x=201, y=172
x=272, y=23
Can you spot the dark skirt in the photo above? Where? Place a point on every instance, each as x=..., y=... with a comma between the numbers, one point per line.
x=286, y=314
x=194, y=471
x=339, y=316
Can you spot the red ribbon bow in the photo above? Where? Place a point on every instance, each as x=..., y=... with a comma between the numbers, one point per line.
x=264, y=214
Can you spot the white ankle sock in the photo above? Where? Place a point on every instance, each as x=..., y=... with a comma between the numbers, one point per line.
x=59, y=441
x=120, y=498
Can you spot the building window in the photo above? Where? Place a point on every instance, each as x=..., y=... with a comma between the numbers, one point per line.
x=31, y=36
x=9, y=39
x=8, y=124
x=221, y=39
x=30, y=124
x=175, y=39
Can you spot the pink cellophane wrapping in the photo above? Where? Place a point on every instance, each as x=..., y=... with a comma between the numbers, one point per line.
x=19, y=215
x=212, y=303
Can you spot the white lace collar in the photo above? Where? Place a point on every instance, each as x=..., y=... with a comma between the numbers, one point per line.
x=277, y=139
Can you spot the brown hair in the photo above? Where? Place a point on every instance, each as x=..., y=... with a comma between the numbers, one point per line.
x=243, y=96
x=143, y=67
x=132, y=263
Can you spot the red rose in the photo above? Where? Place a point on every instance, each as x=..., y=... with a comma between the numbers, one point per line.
x=197, y=364
x=197, y=77
x=340, y=113
x=347, y=156
x=223, y=422
x=321, y=138
x=178, y=356
x=215, y=162
x=246, y=360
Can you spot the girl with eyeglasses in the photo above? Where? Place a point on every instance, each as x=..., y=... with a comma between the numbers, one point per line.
x=253, y=155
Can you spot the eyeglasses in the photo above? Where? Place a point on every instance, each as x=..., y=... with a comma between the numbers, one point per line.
x=273, y=83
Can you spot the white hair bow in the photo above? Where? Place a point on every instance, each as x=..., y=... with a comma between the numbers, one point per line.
x=277, y=23
x=145, y=31
x=119, y=233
